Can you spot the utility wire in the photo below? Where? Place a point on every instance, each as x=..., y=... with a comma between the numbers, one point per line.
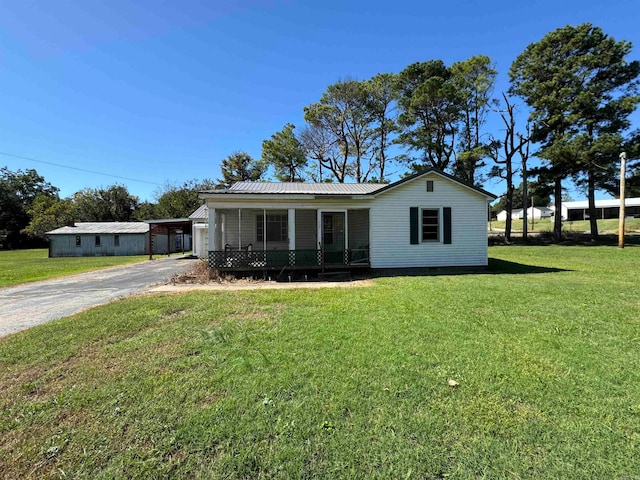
x=78, y=169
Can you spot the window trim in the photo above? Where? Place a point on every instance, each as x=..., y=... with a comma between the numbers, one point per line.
x=98, y=241
x=116, y=240
x=78, y=240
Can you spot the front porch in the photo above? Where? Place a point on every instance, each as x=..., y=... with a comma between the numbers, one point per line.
x=251, y=239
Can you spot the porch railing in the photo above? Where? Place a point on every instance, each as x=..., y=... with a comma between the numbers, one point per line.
x=266, y=259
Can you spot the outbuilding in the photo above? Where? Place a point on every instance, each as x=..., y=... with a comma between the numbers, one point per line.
x=90, y=239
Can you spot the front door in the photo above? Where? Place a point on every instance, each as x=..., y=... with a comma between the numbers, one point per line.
x=333, y=237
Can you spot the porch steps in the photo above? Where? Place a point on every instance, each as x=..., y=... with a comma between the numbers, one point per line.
x=337, y=276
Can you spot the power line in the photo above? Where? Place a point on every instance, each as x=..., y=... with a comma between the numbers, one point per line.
x=78, y=169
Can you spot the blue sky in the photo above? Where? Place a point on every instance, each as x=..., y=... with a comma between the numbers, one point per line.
x=161, y=91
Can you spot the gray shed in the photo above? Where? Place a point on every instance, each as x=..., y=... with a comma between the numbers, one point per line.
x=89, y=239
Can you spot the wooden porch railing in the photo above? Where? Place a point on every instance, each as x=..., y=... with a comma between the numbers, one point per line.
x=267, y=259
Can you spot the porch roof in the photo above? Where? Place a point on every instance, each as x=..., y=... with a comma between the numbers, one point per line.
x=299, y=188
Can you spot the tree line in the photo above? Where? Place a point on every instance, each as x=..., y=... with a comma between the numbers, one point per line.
x=30, y=206
x=576, y=87
x=576, y=84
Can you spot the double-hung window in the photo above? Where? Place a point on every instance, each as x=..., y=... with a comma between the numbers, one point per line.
x=277, y=227
x=430, y=224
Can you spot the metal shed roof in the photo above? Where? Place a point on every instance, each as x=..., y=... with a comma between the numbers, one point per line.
x=200, y=214
x=101, y=228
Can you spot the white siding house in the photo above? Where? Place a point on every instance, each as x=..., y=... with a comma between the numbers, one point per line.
x=532, y=212
x=430, y=219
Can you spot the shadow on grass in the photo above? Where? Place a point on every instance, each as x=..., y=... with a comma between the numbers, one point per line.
x=503, y=266
x=496, y=266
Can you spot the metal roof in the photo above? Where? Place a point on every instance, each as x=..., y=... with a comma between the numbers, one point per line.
x=294, y=188
x=607, y=203
x=101, y=228
x=335, y=189
x=202, y=213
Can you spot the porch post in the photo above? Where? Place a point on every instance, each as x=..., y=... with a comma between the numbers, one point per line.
x=264, y=229
x=291, y=227
x=213, y=230
x=239, y=229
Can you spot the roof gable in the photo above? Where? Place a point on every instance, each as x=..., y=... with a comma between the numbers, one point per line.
x=433, y=171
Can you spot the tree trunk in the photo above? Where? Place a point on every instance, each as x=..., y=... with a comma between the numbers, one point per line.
x=557, y=219
x=591, y=196
x=525, y=201
x=509, y=201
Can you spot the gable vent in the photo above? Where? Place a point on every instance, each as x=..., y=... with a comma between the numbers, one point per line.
x=429, y=185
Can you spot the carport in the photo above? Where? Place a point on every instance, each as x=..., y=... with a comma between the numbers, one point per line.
x=168, y=227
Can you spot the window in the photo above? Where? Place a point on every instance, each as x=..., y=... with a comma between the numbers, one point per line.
x=116, y=240
x=430, y=224
x=78, y=241
x=97, y=240
x=277, y=228
x=429, y=185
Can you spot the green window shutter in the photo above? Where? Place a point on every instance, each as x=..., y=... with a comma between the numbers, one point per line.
x=446, y=220
x=413, y=225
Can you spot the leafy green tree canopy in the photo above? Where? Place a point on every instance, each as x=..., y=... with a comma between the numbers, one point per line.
x=286, y=154
x=180, y=201
x=18, y=191
x=239, y=166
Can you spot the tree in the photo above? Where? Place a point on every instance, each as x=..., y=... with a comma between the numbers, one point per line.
x=111, y=204
x=537, y=190
x=180, y=201
x=239, y=167
x=343, y=113
x=48, y=213
x=429, y=107
x=580, y=87
x=18, y=191
x=474, y=78
x=321, y=145
x=381, y=98
x=286, y=154
x=503, y=153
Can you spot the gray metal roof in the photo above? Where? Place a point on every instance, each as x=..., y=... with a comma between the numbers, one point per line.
x=202, y=213
x=304, y=188
x=101, y=228
x=336, y=189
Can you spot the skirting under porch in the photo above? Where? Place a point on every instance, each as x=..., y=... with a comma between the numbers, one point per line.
x=260, y=260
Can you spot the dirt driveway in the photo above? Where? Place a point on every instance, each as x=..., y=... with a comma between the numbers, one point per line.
x=24, y=306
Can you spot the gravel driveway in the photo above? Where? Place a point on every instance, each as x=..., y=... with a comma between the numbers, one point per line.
x=30, y=304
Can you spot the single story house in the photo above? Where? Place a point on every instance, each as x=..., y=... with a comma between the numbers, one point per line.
x=532, y=212
x=430, y=219
x=92, y=239
x=608, y=208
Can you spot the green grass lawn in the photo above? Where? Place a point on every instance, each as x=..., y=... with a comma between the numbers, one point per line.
x=342, y=383
x=20, y=266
